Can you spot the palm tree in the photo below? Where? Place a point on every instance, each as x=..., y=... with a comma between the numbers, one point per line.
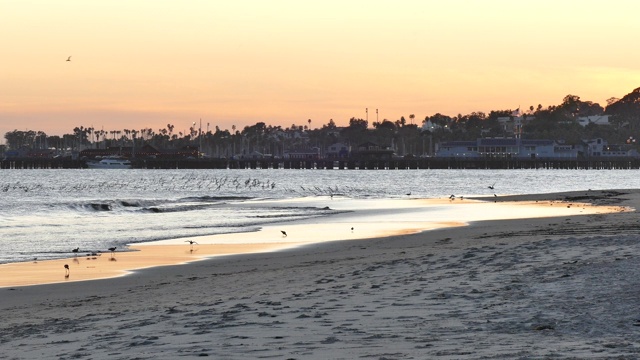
x=89, y=131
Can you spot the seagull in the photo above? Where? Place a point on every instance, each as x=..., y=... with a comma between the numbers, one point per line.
x=284, y=233
x=69, y=58
x=75, y=250
x=491, y=186
x=452, y=197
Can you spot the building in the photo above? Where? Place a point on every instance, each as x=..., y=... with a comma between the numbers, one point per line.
x=508, y=148
x=600, y=148
x=595, y=119
x=313, y=154
x=338, y=151
x=513, y=125
x=370, y=150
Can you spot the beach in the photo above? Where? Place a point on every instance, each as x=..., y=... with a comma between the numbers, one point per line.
x=543, y=287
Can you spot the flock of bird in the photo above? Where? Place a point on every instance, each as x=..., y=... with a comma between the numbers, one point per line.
x=192, y=242
x=171, y=184
x=91, y=255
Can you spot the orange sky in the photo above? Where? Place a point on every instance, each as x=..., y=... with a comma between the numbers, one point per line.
x=146, y=63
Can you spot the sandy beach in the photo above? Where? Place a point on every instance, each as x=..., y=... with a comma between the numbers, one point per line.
x=550, y=287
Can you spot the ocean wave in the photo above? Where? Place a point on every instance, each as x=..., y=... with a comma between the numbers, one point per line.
x=208, y=198
x=100, y=207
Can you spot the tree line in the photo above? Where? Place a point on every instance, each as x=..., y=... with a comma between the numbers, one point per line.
x=555, y=122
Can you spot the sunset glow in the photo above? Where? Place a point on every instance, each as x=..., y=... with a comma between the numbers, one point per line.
x=142, y=63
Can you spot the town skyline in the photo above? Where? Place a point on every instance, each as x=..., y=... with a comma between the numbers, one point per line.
x=285, y=62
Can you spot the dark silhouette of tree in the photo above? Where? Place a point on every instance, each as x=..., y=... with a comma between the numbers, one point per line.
x=556, y=122
x=356, y=132
x=625, y=113
x=18, y=139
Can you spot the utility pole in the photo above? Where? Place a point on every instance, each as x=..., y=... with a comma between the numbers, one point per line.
x=200, y=136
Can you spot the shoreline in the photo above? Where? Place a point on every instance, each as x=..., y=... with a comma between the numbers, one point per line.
x=556, y=287
x=354, y=226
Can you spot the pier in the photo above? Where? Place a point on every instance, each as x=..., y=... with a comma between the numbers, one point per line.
x=342, y=164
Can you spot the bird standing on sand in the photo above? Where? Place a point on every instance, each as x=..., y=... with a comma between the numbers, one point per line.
x=284, y=233
x=66, y=270
x=112, y=249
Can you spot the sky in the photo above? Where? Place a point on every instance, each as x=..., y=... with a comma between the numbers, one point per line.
x=139, y=64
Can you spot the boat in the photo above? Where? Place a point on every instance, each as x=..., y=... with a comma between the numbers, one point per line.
x=110, y=163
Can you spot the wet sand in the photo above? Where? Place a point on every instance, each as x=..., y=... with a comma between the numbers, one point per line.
x=104, y=265
x=563, y=287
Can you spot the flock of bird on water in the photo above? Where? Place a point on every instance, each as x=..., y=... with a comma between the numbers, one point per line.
x=94, y=255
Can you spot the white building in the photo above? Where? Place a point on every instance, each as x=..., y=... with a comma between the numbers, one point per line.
x=595, y=119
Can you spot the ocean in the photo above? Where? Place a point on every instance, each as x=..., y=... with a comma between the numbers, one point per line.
x=46, y=213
